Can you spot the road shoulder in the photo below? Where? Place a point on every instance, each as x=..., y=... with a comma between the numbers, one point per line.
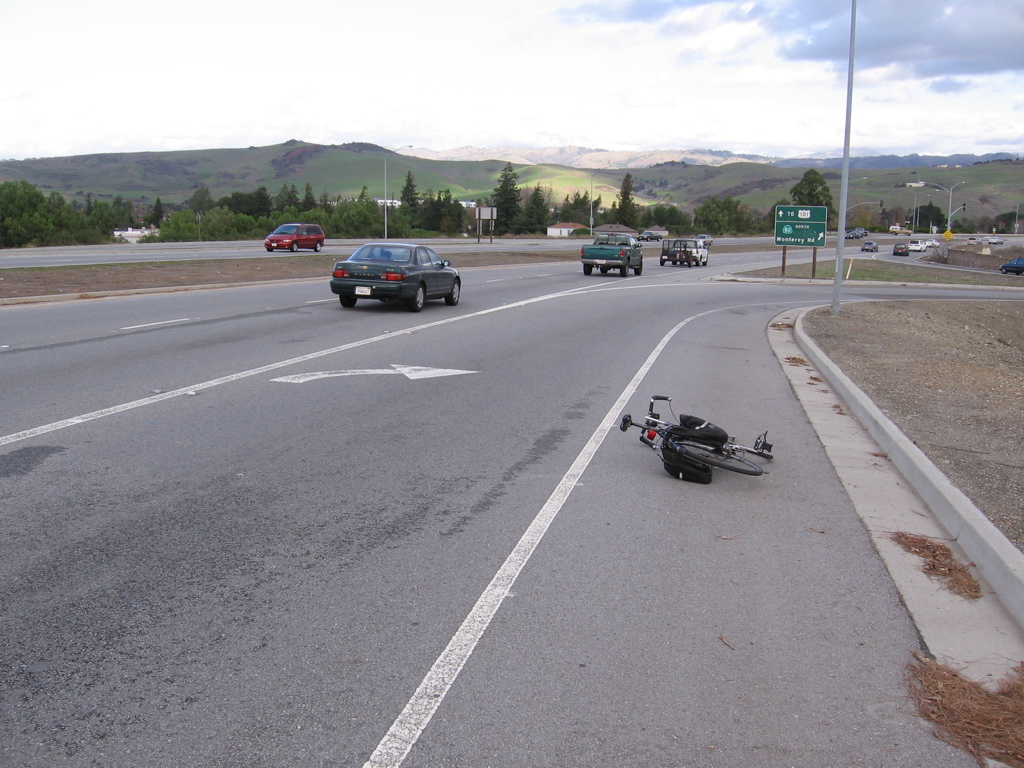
x=979, y=637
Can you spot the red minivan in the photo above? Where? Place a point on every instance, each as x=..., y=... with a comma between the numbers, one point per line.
x=291, y=237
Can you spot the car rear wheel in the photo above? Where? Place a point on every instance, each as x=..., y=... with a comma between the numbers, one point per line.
x=624, y=270
x=317, y=246
x=347, y=301
x=453, y=298
x=588, y=269
x=639, y=269
x=416, y=302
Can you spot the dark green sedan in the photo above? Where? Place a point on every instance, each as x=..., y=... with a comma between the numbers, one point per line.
x=403, y=272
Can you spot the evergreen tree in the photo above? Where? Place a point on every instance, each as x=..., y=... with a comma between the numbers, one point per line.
x=577, y=208
x=627, y=211
x=409, y=199
x=308, y=200
x=262, y=203
x=535, y=216
x=157, y=215
x=287, y=197
x=506, y=200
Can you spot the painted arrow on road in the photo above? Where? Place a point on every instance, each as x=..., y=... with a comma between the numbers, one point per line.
x=409, y=371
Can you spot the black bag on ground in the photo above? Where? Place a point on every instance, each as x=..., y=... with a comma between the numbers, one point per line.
x=700, y=430
x=682, y=466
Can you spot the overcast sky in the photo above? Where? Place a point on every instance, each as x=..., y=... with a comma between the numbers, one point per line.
x=769, y=77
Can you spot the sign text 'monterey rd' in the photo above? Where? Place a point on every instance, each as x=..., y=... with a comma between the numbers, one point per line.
x=802, y=225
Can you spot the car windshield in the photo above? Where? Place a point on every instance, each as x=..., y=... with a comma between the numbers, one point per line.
x=396, y=253
x=286, y=229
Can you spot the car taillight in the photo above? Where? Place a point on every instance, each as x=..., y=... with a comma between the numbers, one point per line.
x=393, y=277
x=341, y=273
x=622, y=253
x=581, y=251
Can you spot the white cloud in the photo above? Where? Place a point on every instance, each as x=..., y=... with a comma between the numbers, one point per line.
x=759, y=76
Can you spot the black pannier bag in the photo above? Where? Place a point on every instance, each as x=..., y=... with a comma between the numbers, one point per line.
x=700, y=430
x=683, y=467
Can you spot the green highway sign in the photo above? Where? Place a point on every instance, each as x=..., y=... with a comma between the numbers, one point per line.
x=800, y=225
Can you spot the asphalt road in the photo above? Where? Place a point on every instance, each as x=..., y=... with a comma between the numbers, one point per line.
x=203, y=562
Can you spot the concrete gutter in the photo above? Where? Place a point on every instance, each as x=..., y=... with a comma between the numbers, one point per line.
x=998, y=560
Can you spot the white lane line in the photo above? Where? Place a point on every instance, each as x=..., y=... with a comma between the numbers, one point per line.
x=150, y=325
x=405, y=731
x=193, y=388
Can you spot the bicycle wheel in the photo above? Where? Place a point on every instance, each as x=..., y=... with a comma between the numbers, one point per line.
x=756, y=452
x=713, y=458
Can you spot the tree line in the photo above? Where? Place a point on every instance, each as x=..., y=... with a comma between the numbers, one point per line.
x=30, y=217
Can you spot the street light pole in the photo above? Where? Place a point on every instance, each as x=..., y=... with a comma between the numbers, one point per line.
x=950, y=211
x=386, y=206
x=844, y=188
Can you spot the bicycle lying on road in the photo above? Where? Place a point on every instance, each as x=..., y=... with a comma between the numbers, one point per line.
x=691, y=447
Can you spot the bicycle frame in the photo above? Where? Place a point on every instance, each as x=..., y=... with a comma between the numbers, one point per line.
x=655, y=432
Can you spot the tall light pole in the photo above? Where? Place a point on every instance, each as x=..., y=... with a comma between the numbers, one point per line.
x=386, y=204
x=844, y=184
x=949, y=210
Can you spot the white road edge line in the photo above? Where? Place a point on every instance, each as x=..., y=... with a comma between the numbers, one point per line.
x=150, y=325
x=405, y=731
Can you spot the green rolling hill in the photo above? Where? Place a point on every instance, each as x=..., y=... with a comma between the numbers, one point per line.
x=989, y=188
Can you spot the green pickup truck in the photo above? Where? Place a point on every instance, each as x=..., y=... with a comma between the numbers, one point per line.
x=613, y=251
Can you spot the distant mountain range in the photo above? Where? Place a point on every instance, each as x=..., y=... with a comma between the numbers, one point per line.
x=675, y=177
x=584, y=157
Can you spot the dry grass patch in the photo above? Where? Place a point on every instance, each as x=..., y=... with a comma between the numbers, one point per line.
x=939, y=563
x=985, y=723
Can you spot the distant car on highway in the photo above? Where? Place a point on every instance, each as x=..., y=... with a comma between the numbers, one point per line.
x=901, y=249
x=291, y=237
x=648, y=235
x=1013, y=267
x=869, y=245
x=856, y=233
x=708, y=239
x=917, y=245
x=403, y=272
x=931, y=243
x=995, y=241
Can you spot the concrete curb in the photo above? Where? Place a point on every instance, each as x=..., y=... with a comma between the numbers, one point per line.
x=999, y=561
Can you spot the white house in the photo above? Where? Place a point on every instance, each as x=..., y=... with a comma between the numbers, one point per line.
x=564, y=228
x=132, y=235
